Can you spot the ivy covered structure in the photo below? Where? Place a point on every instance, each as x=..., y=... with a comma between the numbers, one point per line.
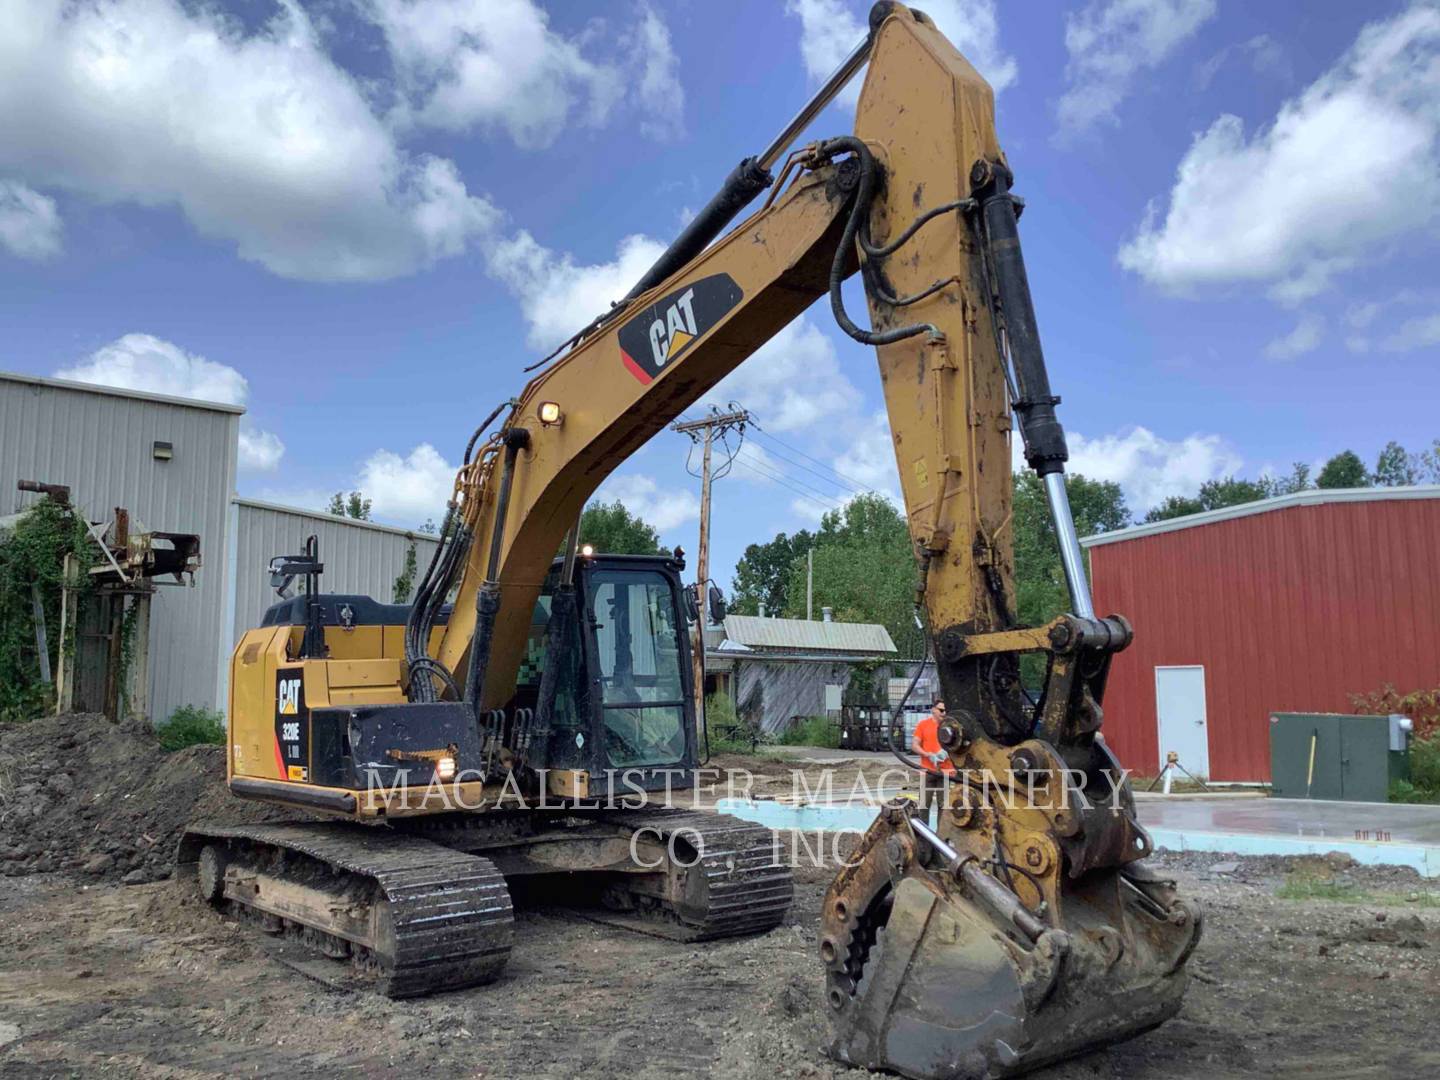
x=171, y=462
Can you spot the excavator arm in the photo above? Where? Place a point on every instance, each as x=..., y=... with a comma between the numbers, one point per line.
x=1023, y=925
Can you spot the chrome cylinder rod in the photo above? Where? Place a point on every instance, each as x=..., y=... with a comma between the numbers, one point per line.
x=1000, y=899
x=826, y=94
x=1072, y=560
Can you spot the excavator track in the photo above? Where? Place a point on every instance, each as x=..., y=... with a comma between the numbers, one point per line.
x=738, y=885
x=413, y=916
x=739, y=882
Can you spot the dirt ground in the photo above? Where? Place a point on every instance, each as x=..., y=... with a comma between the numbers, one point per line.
x=99, y=978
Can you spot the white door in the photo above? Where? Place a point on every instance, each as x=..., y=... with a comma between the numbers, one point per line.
x=1180, y=717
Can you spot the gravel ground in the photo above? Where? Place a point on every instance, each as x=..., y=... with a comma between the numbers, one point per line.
x=104, y=979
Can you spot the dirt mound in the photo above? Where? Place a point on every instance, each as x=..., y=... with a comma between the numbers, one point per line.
x=78, y=792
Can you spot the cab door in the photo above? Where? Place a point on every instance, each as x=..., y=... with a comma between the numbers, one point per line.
x=640, y=673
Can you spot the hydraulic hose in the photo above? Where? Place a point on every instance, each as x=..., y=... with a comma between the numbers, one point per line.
x=864, y=193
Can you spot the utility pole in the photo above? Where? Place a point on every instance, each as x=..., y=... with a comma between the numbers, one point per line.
x=706, y=430
x=810, y=583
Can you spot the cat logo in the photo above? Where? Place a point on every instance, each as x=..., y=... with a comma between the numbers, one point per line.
x=670, y=335
x=288, y=694
x=661, y=333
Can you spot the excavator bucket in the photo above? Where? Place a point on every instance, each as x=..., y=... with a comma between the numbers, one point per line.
x=935, y=969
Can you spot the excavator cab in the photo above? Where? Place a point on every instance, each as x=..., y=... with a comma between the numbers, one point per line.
x=624, y=705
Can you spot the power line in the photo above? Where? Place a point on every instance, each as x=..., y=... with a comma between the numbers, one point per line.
x=849, y=479
x=815, y=472
x=825, y=502
x=768, y=469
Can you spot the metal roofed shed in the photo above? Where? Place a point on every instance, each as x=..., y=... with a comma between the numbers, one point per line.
x=1283, y=605
x=778, y=670
x=807, y=635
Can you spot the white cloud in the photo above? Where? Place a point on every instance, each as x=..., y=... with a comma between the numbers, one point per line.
x=145, y=362
x=869, y=457
x=792, y=381
x=1148, y=468
x=1306, y=337
x=259, y=138
x=492, y=64
x=29, y=224
x=658, y=93
x=410, y=488
x=1416, y=333
x=1282, y=207
x=1110, y=43
x=830, y=29
x=260, y=451
x=665, y=508
x=156, y=366
x=1362, y=315
x=557, y=295
x=1262, y=52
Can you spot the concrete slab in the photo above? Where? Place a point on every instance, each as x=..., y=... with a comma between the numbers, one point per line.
x=1371, y=833
x=1311, y=818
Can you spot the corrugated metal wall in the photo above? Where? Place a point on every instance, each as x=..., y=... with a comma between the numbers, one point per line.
x=770, y=694
x=359, y=557
x=1292, y=610
x=100, y=443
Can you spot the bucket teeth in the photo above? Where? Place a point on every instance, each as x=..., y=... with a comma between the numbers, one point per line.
x=924, y=981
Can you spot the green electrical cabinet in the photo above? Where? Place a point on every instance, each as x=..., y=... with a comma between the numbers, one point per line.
x=1356, y=757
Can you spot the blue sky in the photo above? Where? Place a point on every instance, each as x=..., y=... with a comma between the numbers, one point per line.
x=361, y=218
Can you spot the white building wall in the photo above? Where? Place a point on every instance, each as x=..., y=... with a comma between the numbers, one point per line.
x=100, y=442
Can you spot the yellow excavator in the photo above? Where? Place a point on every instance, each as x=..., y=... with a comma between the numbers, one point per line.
x=517, y=723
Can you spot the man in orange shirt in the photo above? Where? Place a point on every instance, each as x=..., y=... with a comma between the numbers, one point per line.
x=925, y=744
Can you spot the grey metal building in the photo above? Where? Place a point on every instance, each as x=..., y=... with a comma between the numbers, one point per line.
x=359, y=556
x=101, y=442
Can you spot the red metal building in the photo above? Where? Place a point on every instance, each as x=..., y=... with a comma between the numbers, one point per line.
x=1290, y=604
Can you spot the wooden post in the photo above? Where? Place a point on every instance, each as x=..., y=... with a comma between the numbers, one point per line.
x=64, y=656
x=137, y=679
x=42, y=644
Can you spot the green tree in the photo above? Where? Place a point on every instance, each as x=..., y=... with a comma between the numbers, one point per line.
x=1395, y=467
x=1344, y=470
x=1297, y=480
x=612, y=530
x=405, y=582
x=864, y=571
x=1429, y=464
x=762, y=576
x=354, y=505
x=1040, y=589
x=1213, y=495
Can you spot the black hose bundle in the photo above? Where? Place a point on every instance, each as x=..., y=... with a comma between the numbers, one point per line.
x=860, y=208
x=449, y=557
x=451, y=551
